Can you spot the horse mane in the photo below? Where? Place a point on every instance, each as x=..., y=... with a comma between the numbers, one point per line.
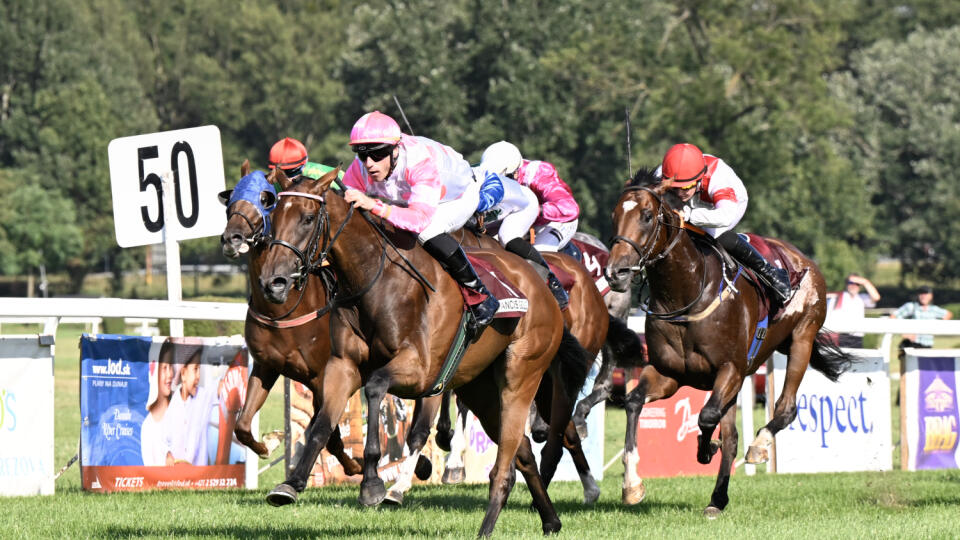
x=644, y=177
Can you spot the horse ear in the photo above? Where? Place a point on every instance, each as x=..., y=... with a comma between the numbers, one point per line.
x=663, y=186
x=281, y=179
x=224, y=196
x=327, y=179
x=245, y=168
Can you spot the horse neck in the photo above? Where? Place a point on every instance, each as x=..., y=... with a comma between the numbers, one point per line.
x=675, y=279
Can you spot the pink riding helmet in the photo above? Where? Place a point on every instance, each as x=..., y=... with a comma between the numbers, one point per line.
x=375, y=127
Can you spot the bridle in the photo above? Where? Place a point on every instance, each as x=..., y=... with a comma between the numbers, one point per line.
x=258, y=232
x=647, y=250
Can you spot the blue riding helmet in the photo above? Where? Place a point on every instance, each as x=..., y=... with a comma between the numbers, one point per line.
x=250, y=188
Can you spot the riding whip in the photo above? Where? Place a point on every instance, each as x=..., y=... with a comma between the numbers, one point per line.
x=397, y=101
x=626, y=114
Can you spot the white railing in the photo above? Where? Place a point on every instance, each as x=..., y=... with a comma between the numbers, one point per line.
x=120, y=307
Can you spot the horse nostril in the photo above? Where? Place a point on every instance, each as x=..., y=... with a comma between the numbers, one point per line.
x=278, y=283
x=236, y=239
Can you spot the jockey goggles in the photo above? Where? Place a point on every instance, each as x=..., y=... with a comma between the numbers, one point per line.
x=375, y=151
x=688, y=183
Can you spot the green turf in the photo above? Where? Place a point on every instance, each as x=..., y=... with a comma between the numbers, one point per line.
x=896, y=504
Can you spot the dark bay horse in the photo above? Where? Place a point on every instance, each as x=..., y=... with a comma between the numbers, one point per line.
x=295, y=342
x=394, y=321
x=587, y=319
x=702, y=320
x=290, y=339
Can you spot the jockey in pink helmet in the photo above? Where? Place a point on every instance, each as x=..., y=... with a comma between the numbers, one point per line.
x=559, y=212
x=421, y=186
x=714, y=198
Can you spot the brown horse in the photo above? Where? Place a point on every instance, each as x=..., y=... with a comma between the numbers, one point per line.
x=586, y=318
x=396, y=316
x=702, y=321
x=290, y=339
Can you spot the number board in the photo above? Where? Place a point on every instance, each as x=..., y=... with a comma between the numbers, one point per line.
x=137, y=165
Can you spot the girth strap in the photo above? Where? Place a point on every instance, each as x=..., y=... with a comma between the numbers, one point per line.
x=452, y=362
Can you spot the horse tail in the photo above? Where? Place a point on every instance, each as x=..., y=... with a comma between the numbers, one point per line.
x=570, y=365
x=828, y=358
x=625, y=344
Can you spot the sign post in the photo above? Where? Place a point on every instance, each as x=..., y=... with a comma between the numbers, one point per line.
x=165, y=188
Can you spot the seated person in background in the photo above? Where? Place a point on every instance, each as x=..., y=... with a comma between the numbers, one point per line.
x=850, y=305
x=923, y=309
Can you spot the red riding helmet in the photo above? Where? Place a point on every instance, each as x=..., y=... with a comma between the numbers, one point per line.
x=288, y=154
x=684, y=164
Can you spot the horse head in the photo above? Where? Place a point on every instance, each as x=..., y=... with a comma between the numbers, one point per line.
x=642, y=220
x=248, y=207
x=298, y=222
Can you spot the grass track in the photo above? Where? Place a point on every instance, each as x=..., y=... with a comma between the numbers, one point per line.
x=896, y=504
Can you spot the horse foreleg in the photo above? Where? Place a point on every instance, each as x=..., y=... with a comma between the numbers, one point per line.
x=444, y=428
x=786, y=407
x=571, y=441
x=340, y=381
x=602, y=388
x=423, y=415
x=651, y=387
x=259, y=384
x=372, y=490
x=726, y=386
x=453, y=472
x=728, y=451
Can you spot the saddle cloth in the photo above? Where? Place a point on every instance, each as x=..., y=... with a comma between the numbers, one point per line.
x=594, y=260
x=776, y=256
x=512, y=302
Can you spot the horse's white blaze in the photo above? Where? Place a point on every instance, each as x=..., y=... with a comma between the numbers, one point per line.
x=405, y=478
x=630, y=461
x=628, y=206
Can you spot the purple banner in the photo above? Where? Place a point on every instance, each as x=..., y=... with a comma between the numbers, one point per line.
x=938, y=414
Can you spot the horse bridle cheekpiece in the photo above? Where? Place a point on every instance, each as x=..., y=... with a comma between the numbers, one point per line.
x=307, y=264
x=646, y=251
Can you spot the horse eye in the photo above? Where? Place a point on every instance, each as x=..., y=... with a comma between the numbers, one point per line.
x=647, y=216
x=309, y=218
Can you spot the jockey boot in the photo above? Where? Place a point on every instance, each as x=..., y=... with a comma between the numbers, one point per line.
x=452, y=258
x=776, y=279
x=523, y=248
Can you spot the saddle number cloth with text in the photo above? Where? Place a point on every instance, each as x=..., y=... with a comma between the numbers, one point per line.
x=512, y=302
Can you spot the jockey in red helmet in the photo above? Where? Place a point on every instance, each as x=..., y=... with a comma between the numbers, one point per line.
x=421, y=186
x=714, y=198
x=291, y=156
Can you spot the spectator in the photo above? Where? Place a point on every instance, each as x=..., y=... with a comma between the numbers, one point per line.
x=923, y=309
x=849, y=305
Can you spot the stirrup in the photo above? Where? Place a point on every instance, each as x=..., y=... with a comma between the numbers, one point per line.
x=484, y=311
x=563, y=299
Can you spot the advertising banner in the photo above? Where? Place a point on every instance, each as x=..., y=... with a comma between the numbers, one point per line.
x=930, y=413
x=396, y=415
x=159, y=413
x=26, y=416
x=667, y=436
x=840, y=426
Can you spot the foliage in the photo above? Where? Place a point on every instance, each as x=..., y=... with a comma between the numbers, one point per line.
x=810, y=102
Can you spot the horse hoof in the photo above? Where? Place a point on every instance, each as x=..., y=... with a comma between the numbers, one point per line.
x=353, y=467
x=590, y=496
x=372, y=492
x=712, y=512
x=757, y=454
x=270, y=442
x=552, y=526
x=282, y=495
x=424, y=468
x=453, y=476
x=394, y=498
x=581, y=428
x=634, y=494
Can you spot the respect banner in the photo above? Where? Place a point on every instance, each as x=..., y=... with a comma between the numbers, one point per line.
x=159, y=413
x=26, y=416
x=840, y=426
x=930, y=416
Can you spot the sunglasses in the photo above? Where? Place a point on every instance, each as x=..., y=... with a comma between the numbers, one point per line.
x=377, y=154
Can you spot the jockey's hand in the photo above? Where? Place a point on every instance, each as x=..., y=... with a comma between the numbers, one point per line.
x=359, y=199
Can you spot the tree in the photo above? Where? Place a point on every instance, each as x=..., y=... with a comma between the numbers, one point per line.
x=906, y=142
